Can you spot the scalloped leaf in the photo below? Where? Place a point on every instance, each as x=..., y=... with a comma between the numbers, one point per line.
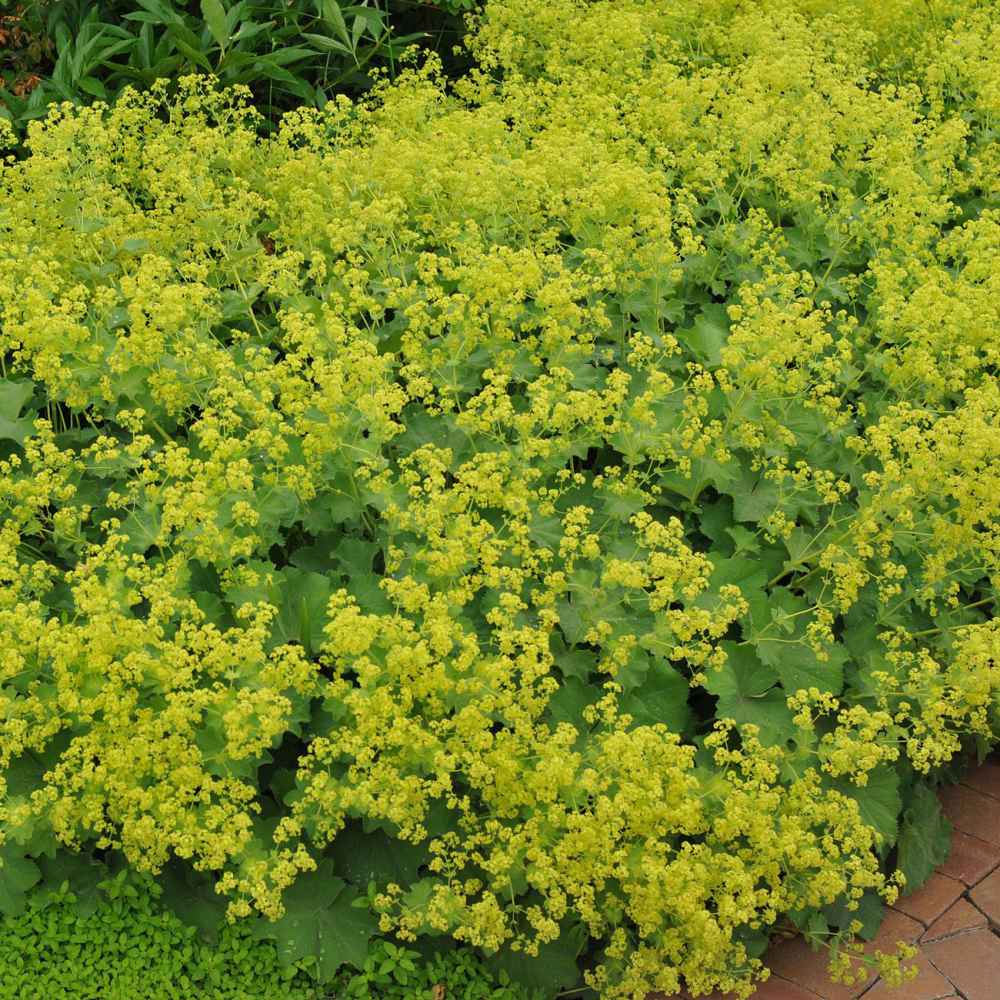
x=924, y=838
x=748, y=692
x=321, y=923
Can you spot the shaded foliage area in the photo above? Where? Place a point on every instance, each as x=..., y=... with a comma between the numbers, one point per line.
x=287, y=53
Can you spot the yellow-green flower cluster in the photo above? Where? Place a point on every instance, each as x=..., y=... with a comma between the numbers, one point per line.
x=588, y=471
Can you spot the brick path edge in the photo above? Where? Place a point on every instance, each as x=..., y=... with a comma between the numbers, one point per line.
x=953, y=919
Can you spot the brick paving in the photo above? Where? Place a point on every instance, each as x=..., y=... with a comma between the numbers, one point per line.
x=954, y=918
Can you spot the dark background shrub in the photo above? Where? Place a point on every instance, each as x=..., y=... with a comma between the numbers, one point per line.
x=289, y=52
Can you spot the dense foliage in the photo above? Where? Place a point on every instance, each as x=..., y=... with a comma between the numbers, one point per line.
x=558, y=511
x=110, y=938
x=289, y=52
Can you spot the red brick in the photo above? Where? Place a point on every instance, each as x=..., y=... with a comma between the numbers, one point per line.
x=985, y=778
x=971, y=961
x=929, y=985
x=794, y=960
x=986, y=896
x=931, y=899
x=972, y=812
x=961, y=916
x=971, y=859
x=781, y=989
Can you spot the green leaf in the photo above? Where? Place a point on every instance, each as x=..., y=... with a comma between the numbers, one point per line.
x=279, y=507
x=708, y=334
x=754, y=497
x=879, y=800
x=417, y=901
x=553, y=969
x=798, y=666
x=331, y=13
x=571, y=621
x=374, y=20
x=321, y=923
x=755, y=941
x=781, y=644
x=192, y=896
x=715, y=519
x=704, y=472
x=745, y=541
x=327, y=44
x=83, y=874
x=376, y=857
x=187, y=44
x=33, y=832
x=797, y=544
x=301, y=598
x=750, y=575
x=662, y=697
x=91, y=85
x=320, y=557
x=358, y=29
x=620, y=507
x=811, y=922
x=578, y=663
x=747, y=693
x=290, y=54
x=210, y=738
x=164, y=13
x=356, y=556
x=924, y=838
x=17, y=875
x=13, y=396
x=590, y=604
x=568, y=703
x=215, y=17
x=142, y=527
x=870, y=912
x=214, y=609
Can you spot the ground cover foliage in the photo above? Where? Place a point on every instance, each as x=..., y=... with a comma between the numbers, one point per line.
x=112, y=938
x=555, y=512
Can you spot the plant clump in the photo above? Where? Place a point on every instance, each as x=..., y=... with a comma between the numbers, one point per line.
x=557, y=510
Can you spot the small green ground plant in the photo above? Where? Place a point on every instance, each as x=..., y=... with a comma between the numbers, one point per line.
x=111, y=938
x=556, y=511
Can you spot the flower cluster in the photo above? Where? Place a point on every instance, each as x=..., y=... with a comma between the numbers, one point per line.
x=586, y=474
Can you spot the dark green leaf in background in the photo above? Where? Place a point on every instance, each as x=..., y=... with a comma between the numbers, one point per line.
x=320, y=922
x=924, y=838
x=870, y=911
x=192, y=896
x=708, y=334
x=568, y=703
x=17, y=875
x=661, y=697
x=748, y=692
x=781, y=644
x=301, y=616
x=553, y=969
x=376, y=857
x=332, y=15
x=13, y=396
x=83, y=874
x=215, y=17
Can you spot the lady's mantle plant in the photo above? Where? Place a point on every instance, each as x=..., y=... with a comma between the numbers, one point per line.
x=579, y=487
